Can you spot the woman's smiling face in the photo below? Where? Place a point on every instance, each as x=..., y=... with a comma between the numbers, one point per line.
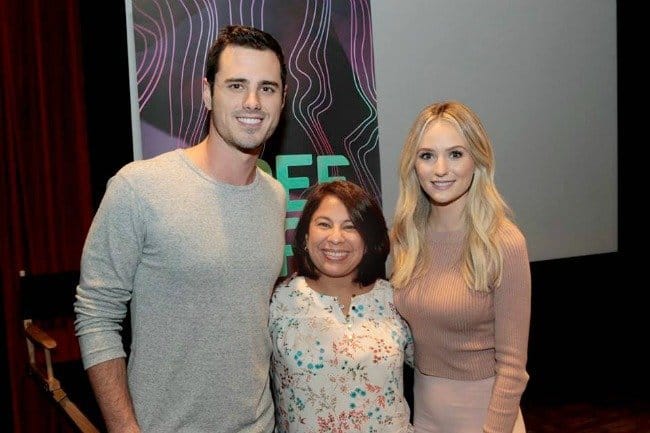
x=334, y=245
x=443, y=164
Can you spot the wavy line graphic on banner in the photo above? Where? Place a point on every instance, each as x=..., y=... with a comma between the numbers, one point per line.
x=330, y=125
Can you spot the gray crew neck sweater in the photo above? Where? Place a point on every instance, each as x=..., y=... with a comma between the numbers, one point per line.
x=197, y=260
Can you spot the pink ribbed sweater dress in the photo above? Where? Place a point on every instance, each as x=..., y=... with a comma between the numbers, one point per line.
x=463, y=336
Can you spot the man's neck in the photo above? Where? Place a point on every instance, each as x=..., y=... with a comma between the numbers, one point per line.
x=223, y=162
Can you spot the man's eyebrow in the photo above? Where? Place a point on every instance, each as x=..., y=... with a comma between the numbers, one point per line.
x=235, y=80
x=270, y=83
x=244, y=80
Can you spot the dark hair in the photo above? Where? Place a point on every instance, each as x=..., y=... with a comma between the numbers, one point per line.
x=242, y=36
x=367, y=217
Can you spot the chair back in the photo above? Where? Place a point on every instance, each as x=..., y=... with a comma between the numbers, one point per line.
x=47, y=305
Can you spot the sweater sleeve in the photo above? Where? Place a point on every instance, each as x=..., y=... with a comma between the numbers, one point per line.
x=409, y=344
x=512, y=322
x=108, y=263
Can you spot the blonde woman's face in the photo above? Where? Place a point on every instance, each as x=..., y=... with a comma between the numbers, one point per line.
x=443, y=164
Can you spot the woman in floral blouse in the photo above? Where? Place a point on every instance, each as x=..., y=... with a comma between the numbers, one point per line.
x=339, y=345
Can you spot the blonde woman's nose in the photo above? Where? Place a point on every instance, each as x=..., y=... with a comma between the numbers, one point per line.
x=441, y=167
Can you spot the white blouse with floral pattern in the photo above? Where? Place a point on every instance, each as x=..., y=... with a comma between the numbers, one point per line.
x=338, y=374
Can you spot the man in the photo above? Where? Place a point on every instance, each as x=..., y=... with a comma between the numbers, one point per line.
x=194, y=239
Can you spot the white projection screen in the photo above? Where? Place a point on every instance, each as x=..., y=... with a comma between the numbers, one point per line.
x=541, y=75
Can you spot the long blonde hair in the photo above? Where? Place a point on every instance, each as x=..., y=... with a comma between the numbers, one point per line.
x=485, y=212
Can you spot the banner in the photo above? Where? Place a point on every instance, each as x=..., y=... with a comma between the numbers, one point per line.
x=329, y=129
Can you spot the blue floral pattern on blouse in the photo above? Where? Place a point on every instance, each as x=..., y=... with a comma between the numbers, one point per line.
x=335, y=373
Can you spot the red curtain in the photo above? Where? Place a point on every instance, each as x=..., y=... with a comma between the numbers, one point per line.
x=45, y=176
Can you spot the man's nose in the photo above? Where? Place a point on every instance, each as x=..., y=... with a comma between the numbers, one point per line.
x=252, y=101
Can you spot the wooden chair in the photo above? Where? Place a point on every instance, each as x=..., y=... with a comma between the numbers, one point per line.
x=52, y=348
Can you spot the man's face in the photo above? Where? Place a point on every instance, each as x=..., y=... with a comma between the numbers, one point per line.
x=247, y=98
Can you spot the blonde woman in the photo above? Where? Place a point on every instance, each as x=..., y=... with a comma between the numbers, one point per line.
x=462, y=277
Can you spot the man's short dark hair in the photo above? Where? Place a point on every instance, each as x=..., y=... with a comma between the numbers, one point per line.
x=242, y=36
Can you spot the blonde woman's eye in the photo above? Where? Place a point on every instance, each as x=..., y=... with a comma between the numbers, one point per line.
x=425, y=155
x=456, y=154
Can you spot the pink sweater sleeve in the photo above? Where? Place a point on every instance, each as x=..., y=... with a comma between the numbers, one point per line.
x=512, y=322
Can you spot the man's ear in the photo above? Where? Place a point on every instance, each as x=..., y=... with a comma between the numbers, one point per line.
x=284, y=95
x=207, y=95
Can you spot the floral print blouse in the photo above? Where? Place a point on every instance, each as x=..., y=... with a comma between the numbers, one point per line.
x=338, y=374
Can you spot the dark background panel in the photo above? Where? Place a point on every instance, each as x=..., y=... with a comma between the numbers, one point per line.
x=106, y=80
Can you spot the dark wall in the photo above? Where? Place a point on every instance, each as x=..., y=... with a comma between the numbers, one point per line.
x=580, y=341
x=585, y=337
x=6, y=420
x=106, y=80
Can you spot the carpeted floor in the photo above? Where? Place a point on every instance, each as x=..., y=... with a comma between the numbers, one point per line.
x=629, y=417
